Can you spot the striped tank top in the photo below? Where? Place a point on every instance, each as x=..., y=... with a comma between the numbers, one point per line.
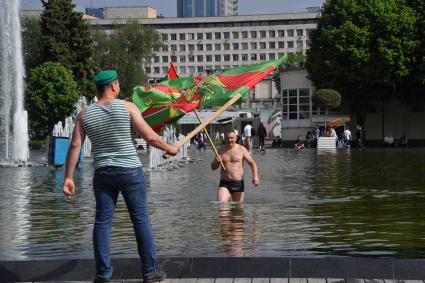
x=110, y=132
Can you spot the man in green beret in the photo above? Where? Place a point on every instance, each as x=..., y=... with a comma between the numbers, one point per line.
x=109, y=124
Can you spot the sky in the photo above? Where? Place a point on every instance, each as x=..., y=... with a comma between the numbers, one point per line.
x=168, y=8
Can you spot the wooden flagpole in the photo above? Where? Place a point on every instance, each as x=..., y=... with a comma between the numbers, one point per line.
x=209, y=139
x=205, y=123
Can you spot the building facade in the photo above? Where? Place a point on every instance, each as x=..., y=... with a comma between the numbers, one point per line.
x=206, y=8
x=200, y=45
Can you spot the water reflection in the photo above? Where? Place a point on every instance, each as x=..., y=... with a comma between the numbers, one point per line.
x=233, y=231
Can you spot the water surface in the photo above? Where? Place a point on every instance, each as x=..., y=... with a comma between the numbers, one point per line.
x=347, y=203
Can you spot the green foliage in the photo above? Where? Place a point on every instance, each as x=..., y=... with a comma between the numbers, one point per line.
x=294, y=61
x=37, y=144
x=414, y=85
x=51, y=96
x=363, y=48
x=31, y=42
x=67, y=39
x=125, y=51
x=327, y=98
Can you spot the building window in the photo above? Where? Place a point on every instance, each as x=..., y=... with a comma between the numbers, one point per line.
x=235, y=57
x=217, y=35
x=217, y=58
x=253, y=34
x=164, y=70
x=263, y=33
x=164, y=36
x=300, y=32
x=244, y=34
x=200, y=58
x=173, y=36
x=217, y=46
x=263, y=56
x=272, y=33
x=173, y=58
x=235, y=34
x=165, y=48
x=244, y=45
x=156, y=70
x=200, y=69
x=226, y=35
x=191, y=47
x=262, y=45
x=244, y=57
x=280, y=33
x=235, y=46
x=290, y=44
x=190, y=36
x=200, y=47
x=253, y=57
x=182, y=70
x=191, y=58
x=173, y=47
x=182, y=36
x=281, y=44
x=148, y=70
x=191, y=69
x=272, y=56
x=182, y=47
x=199, y=35
x=165, y=59
x=208, y=35
x=182, y=58
x=156, y=59
x=253, y=45
x=208, y=58
x=299, y=44
x=290, y=32
x=226, y=57
x=272, y=45
x=208, y=46
x=226, y=46
x=296, y=104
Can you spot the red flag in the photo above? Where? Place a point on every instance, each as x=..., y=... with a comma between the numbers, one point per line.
x=172, y=73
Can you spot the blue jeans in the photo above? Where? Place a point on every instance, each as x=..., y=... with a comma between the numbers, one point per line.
x=107, y=183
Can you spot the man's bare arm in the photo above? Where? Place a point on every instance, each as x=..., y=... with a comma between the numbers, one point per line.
x=143, y=129
x=247, y=157
x=78, y=137
x=217, y=161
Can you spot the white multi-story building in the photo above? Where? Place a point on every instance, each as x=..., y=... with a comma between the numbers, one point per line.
x=203, y=44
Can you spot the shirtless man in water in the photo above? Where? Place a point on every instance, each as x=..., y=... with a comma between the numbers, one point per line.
x=231, y=182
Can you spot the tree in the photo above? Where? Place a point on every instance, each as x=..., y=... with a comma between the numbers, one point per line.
x=51, y=96
x=67, y=39
x=127, y=50
x=327, y=99
x=31, y=41
x=414, y=84
x=363, y=49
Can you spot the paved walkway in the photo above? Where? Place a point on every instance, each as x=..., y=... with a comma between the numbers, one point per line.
x=261, y=280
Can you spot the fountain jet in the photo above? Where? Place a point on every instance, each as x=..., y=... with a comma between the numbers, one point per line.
x=13, y=117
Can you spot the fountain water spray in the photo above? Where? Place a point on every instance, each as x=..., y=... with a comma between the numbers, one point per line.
x=13, y=117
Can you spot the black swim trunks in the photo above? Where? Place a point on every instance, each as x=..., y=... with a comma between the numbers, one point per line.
x=233, y=186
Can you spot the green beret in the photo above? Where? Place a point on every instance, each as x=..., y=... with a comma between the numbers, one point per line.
x=105, y=77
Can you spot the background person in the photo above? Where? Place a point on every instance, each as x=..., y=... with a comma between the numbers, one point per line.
x=109, y=124
x=247, y=136
x=262, y=133
x=299, y=143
